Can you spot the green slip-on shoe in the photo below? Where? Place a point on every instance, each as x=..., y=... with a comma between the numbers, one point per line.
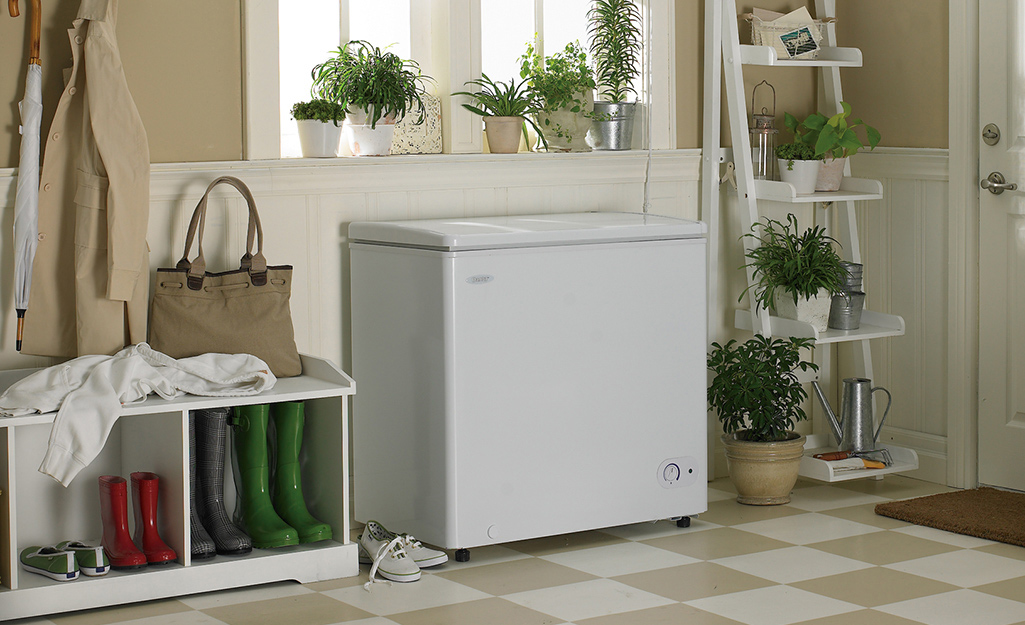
x=91, y=559
x=51, y=562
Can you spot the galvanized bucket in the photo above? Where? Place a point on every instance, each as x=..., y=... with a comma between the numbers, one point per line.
x=845, y=310
x=612, y=127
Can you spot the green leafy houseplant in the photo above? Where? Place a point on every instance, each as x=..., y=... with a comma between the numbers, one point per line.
x=499, y=99
x=834, y=136
x=755, y=391
x=318, y=110
x=561, y=81
x=799, y=264
x=615, y=41
x=361, y=76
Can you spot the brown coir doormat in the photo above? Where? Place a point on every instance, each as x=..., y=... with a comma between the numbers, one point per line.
x=983, y=512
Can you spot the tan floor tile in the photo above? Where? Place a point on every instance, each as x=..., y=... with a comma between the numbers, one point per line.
x=874, y=587
x=1013, y=589
x=493, y=611
x=865, y=513
x=729, y=512
x=861, y=617
x=675, y=614
x=116, y=614
x=693, y=581
x=341, y=582
x=895, y=487
x=1005, y=550
x=565, y=542
x=506, y=578
x=883, y=547
x=724, y=484
x=308, y=609
x=720, y=542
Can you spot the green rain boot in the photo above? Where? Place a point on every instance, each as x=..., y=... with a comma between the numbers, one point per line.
x=258, y=518
x=288, y=488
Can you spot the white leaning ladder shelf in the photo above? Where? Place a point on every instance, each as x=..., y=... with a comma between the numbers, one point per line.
x=153, y=435
x=725, y=59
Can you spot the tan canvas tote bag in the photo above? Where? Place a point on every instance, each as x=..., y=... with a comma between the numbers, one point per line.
x=244, y=311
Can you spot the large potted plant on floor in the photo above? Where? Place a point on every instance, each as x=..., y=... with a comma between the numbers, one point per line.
x=506, y=109
x=615, y=40
x=564, y=85
x=376, y=88
x=757, y=397
x=796, y=273
x=835, y=139
x=320, y=127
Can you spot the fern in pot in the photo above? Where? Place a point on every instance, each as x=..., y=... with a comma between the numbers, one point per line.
x=564, y=86
x=376, y=88
x=320, y=127
x=796, y=273
x=615, y=37
x=758, y=398
x=507, y=108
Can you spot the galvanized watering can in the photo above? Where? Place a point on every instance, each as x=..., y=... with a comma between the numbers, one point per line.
x=853, y=430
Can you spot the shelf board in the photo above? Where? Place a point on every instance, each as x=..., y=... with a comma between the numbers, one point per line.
x=874, y=325
x=903, y=460
x=851, y=190
x=828, y=57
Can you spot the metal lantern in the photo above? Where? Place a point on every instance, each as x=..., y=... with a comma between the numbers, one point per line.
x=763, y=137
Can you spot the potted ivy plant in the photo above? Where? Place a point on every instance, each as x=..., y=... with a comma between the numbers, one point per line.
x=796, y=273
x=615, y=41
x=797, y=163
x=506, y=108
x=564, y=85
x=376, y=88
x=756, y=394
x=320, y=129
x=835, y=138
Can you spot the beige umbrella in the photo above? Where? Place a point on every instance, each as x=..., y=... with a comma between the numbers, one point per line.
x=26, y=202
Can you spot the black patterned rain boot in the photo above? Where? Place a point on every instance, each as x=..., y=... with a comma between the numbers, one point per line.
x=211, y=443
x=202, y=545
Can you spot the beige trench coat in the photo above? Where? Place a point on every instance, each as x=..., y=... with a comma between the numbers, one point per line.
x=90, y=279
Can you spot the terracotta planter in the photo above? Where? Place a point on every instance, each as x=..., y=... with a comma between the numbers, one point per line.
x=319, y=139
x=764, y=474
x=814, y=310
x=830, y=174
x=802, y=174
x=503, y=134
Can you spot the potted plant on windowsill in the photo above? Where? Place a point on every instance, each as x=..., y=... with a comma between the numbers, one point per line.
x=615, y=40
x=320, y=129
x=797, y=273
x=506, y=109
x=835, y=138
x=565, y=89
x=376, y=88
x=757, y=397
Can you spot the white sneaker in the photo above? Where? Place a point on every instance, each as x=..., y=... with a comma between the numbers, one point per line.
x=423, y=556
x=378, y=547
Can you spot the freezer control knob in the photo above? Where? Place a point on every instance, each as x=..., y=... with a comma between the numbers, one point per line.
x=678, y=472
x=672, y=472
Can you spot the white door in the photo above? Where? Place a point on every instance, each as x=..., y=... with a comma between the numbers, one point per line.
x=1002, y=245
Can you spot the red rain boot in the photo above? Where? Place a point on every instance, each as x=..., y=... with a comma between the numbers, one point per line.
x=145, y=488
x=117, y=542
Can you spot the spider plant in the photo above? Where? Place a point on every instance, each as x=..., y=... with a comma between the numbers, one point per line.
x=615, y=37
x=499, y=99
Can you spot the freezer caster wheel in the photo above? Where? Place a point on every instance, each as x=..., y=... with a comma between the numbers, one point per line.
x=683, y=521
x=462, y=555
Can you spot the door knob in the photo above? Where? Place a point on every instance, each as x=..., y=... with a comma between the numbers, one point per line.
x=996, y=184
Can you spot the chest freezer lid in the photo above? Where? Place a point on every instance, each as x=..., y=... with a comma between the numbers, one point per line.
x=525, y=230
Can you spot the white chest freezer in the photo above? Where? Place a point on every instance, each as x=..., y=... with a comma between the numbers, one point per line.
x=528, y=376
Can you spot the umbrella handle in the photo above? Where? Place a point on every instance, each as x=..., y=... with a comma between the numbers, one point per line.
x=36, y=17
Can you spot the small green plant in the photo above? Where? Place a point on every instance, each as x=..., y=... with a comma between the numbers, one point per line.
x=364, y=77
x=799, y=264
x=615, y=38
x=791, y=152
x=319, y=110
x=832, y=136
x=755, y=391
x=499, y=99
x=560, y=81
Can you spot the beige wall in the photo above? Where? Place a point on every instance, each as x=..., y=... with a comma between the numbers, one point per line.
x=183, y=61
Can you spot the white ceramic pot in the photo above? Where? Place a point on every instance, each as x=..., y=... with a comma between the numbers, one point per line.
x=814, y=311
x=571, y=126
x=801, y=174
x=503, y=134
x=319, y=139
x=365, y=139
x=830, y=174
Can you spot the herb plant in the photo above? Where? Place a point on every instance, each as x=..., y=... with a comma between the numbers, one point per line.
x=791, y=152
x=364, y=77
x=559, y=81
x=832, y=136
x=499, y=99
x=755, y=391
x=797, y=264
x=319, y=110
x=615, y=38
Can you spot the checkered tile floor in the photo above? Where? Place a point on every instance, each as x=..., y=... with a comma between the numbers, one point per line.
x=825, y=558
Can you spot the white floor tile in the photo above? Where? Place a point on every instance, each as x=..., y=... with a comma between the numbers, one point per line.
x=963, y=568
x=658, y=529
x=949, y=538
x=430, y=591
x=619, y=559
x=805, y=529
x=597, y=597
x=715, y=494
x=773, y=605
x=792, y=564
x=244, y=595
x=818, y=498
x=958, y=608
x=479, y=556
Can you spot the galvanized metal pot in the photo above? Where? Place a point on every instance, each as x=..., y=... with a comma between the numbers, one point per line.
x=613, y=126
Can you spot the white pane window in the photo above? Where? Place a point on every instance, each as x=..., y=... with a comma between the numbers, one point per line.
x=384, y=23
x=306, y=38
x=506, y=27
x=565, y=21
